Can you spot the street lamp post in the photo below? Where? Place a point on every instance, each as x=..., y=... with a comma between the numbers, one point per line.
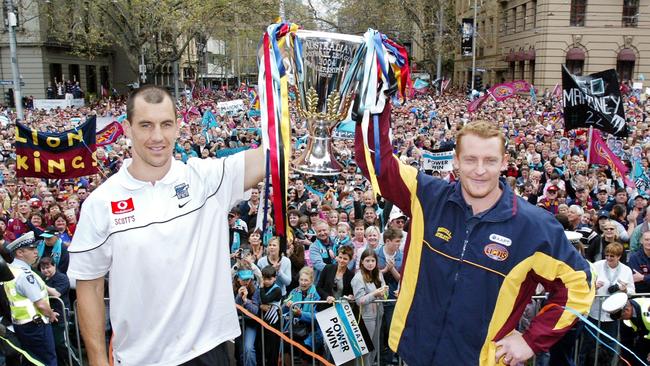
x=474, y=48
x=11, y=20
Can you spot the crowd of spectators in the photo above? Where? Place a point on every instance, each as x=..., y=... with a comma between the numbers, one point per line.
x=346, y=242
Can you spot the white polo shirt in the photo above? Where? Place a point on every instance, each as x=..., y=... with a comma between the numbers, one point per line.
x=166, y=248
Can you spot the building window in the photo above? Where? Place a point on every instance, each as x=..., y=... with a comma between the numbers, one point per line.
x=512, y=70
x=625, y=62
x=73, y=73
x=91, y=79
x=630, y=13
x=525, y=16
x=578, y=11
x=575, y=60
x=522, y=68
x=514, y=20
x=534, y=13
x=575, y=66
x=625, y=69
x=56, y=73
x=532, y=71
x=504, y=26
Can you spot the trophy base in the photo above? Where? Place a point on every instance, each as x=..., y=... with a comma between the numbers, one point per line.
x=323, y=171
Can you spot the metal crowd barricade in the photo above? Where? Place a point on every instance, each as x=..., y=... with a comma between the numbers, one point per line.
x=78, y=333
x=66, y=333
x=580, y=337
x=261, y=335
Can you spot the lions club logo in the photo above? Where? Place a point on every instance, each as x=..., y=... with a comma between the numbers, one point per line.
x=496, y=251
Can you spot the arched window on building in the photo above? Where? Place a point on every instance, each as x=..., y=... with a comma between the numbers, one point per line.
x=625, y=64
x=578, y=13
x=575, y=61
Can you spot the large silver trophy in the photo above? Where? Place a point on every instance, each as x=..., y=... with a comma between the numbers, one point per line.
x=327, y=72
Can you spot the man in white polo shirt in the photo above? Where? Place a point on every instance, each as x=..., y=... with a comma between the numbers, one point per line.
x=160, y=228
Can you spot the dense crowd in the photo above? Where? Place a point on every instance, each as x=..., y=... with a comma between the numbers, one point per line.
x=345, y=241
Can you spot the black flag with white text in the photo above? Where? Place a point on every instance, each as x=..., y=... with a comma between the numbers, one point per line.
x=593, y=101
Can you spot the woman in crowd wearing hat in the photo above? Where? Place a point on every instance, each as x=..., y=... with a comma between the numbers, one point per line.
x=246, y=295
x=612, y=277
x=52, y=246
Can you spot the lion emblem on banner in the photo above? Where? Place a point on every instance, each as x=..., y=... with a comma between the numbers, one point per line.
x=502, y=92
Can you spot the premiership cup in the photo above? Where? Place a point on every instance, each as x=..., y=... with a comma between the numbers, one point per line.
x=327, y=73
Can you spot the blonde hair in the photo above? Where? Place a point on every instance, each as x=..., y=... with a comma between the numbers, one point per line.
x=482, y=129
x=307, y=271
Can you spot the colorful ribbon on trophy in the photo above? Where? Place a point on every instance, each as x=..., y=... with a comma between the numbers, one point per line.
x=274, y=112
x=400, y=67
x=381, y=53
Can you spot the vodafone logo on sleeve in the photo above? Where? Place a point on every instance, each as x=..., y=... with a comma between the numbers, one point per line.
x=121, y=207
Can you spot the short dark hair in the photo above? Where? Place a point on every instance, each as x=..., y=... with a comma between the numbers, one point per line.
x=391, y=234
x=347, y=250
x=269, y=272
x=152, y=94
x=45, y=261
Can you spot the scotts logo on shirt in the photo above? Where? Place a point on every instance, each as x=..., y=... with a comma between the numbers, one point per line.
x=496, y=251
x=123, y=206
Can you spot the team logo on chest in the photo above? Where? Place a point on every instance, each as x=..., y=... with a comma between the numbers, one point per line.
x=443, y=233
x=496, y=251
x=182, y=191
x=122, y=207
x=500, y=239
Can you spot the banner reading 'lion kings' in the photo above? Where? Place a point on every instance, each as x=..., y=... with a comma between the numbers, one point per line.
x=57, y=155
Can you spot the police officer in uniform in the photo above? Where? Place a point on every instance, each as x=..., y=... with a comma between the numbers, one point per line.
x=635, y=314
x=31, y=313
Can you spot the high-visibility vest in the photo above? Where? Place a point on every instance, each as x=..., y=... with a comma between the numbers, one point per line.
x=22, y=309
x=644, y=303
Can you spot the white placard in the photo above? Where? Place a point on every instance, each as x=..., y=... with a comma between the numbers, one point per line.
x=48, y=104
x=341, y=333
x=440, y=161
x=230, y=107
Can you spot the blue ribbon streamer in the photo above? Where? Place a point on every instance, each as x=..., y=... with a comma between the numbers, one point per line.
x=380, y=54
x=595, y=327
x=375, y=121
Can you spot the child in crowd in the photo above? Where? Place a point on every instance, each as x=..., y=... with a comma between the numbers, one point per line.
x=270, y=297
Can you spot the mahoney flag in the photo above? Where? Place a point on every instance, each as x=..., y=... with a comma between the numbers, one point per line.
x=58, y=155
x=593, y=101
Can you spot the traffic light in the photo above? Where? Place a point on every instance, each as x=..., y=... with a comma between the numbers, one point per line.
x=9, y=98
x=478, y=82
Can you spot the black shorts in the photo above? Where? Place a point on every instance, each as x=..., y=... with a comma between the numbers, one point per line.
x=218, y=356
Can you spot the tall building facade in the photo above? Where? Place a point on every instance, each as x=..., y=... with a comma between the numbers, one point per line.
x=42, y=60
x=532, y=39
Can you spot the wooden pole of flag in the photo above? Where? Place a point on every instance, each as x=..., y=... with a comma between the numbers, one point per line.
x=591, y=133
